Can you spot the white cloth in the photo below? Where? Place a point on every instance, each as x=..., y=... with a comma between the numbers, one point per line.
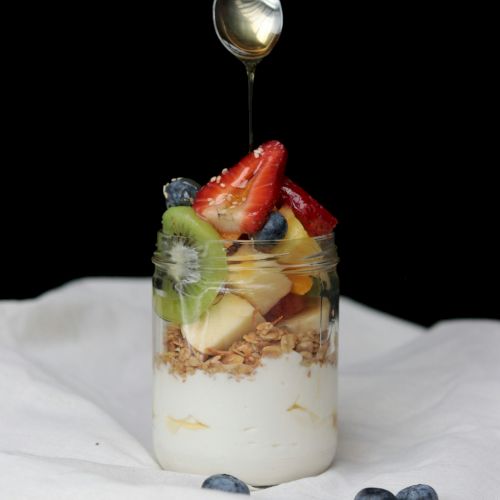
x=416, y=405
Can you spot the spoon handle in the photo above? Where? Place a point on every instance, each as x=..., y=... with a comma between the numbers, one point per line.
x=250, y=67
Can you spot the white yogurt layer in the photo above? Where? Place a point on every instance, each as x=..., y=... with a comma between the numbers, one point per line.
x=275, y=426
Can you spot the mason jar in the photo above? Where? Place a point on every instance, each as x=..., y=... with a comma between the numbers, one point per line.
x=245, y=358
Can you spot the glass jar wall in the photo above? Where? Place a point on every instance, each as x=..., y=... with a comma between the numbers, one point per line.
x=245, y=361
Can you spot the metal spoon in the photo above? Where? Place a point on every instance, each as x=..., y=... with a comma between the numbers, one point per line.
x=249, y=29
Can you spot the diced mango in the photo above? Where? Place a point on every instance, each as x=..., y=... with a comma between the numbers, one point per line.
x=301, y=284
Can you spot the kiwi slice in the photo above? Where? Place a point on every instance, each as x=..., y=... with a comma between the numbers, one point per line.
x=190, y=264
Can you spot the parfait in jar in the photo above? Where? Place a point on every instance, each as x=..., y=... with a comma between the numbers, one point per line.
x=245, y=295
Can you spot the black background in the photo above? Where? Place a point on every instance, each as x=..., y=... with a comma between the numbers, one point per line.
x=395, y=103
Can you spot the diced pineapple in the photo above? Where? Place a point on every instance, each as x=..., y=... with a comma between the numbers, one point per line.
x=256, y=277
x=316, y=313
x=225, y=322
x=297, y=244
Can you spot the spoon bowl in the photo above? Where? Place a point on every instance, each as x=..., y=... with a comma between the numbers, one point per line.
x=249, y=29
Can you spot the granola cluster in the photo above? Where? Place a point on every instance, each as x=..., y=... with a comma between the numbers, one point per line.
x=245, y=355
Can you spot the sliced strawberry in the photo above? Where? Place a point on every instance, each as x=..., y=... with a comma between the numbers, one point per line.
x=315, y=218
x=239, y=200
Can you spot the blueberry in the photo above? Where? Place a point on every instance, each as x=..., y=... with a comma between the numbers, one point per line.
x=374, y=494
x=180, y=192
x=275, y=228
x=417, y=492
x=225, y=482
x=233, y=249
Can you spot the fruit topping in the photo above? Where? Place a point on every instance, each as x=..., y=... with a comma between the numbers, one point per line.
x=274, y=229
x=258, y=278
x=240, y=199
x=180, y=192
x=225, y=482
x=301, y=283
x=297, y=245
x=226, y=321
x=314, y=316
x=288, y=306
x=316, y=219
x=193, y=265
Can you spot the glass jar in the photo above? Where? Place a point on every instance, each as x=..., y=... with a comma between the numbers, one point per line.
x=245, y=361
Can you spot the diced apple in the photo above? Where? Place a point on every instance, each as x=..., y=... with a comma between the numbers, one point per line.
x=316, y=313
x=225, y=322
x=256, y=277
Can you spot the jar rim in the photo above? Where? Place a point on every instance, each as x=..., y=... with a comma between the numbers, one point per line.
x=323, y=253
x=318, y=239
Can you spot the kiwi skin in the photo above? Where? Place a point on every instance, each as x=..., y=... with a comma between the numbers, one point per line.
x=191, y=262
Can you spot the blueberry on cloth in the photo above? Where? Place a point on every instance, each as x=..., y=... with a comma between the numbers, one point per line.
x=374, y=494
x=418, y=492
x=275, y=228
x=180, y=192
x=225, y=482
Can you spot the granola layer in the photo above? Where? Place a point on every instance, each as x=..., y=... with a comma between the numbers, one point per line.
x=244, y=356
